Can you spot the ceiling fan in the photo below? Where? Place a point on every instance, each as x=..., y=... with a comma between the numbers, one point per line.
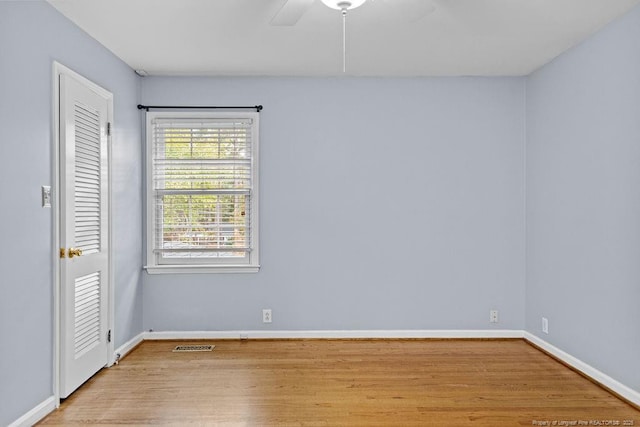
x=409, y=10
x=292, y=10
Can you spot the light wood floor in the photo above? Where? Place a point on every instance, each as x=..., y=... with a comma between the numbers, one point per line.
x=338, y=383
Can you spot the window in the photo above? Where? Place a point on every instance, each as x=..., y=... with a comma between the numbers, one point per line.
x=202, y=192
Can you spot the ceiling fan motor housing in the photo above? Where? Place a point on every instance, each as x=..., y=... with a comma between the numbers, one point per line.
x=343, y=4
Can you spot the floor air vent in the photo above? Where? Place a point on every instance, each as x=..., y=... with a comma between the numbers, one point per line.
x=192, y=348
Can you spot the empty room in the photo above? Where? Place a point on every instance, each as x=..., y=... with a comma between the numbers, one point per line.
x=320, y=212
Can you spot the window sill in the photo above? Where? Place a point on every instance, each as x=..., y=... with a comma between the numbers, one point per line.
x=195, y=269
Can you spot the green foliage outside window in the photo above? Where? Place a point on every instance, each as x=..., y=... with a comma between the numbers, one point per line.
x=205, y=159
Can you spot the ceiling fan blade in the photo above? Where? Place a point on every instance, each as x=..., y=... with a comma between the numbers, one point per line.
x=409, y=10
x=290, y=12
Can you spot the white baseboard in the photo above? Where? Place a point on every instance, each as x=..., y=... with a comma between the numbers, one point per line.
x=628, y=393
x=334, y=334
x=128, y=346
x=36, y=414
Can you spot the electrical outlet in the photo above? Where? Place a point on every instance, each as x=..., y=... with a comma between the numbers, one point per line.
x=493, y=316
x=545, y=325
x=266, y=315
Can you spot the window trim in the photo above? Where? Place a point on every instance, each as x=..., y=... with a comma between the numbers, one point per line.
x=252, y=265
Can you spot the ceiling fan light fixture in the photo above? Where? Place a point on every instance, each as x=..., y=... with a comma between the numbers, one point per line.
x=343, y=4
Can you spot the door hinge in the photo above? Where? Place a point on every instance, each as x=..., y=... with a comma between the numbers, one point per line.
x=108, y=128
x=109, y=336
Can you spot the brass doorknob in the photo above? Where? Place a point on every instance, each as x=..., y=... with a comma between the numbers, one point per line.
x=74, y=252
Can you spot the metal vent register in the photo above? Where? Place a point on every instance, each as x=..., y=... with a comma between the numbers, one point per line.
x=192, y=348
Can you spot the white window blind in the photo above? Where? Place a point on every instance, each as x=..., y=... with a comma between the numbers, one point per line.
x=202, y=189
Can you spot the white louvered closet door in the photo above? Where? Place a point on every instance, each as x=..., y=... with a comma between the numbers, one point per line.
x=84, y=264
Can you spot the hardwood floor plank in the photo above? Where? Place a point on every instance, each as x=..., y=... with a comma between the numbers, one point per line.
x=340, y=382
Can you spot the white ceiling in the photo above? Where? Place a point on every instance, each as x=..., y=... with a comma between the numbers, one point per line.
x=235, y=37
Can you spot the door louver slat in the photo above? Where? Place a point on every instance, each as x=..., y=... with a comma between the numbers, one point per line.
x=87, y=313
x=87, y=177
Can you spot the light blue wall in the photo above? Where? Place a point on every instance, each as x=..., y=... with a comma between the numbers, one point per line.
x=32, y=36
x=385, y=204
x=583, y=200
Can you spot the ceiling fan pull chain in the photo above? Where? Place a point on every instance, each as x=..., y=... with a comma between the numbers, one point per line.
x=344, y=40
x=343, y=6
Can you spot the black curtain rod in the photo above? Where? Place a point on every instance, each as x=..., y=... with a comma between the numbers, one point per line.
x=258, y=108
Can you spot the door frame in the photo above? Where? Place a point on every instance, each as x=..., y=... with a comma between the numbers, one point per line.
x=58, y=70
